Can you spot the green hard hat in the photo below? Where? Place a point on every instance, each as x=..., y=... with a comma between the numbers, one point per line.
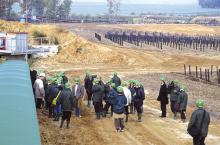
x=68, y=85
x=200, y=103
x=88, y=73
x=59, y=81
x=162, y=78
x=77, y=80
x=115, y=73
x=183, y=88
x=124, y=84
x=113, y=85
x=176, y=82
x=120, y=89
x=96, y=81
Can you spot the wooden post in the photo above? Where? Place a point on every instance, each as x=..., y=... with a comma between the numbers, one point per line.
x=208, y=75
x=205, y=75
x=211, y=69
x=217, y=71
x=189, y=70
x=185, y=69
x=200, y=73
x=219, y=76
x=196, y=72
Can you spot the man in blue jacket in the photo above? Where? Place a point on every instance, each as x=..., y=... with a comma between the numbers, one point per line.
x=118, y=109
x=109, y=98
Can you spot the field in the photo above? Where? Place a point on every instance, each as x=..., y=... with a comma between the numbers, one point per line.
x=80, y=51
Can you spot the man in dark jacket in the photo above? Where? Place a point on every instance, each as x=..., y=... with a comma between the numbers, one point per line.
x=109, y=99
x=197, y=117
x=132, y=89
x=118, y=109
x=174, y=97
x=66, y=101
x=116, y=80
x=88, y=87
x=163, y=97
x=139, y=99
x=97, y=94
x=182, y=103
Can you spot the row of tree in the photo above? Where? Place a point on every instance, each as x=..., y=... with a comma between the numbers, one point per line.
x=209, y=3
x=49, y=8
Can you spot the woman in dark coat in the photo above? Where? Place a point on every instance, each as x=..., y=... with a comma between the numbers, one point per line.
x=163, y=97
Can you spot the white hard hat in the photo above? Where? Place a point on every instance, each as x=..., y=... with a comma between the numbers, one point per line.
x=42, y=75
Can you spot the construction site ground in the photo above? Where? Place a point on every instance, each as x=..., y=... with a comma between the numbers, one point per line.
x=84, y=52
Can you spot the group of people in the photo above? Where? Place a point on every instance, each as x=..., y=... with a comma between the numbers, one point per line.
x=118, y=97
x=58, y=96
x=115, y=98
x=178, y=98
x=200, y=118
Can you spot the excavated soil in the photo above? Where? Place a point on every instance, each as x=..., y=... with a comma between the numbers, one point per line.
x=83, y=52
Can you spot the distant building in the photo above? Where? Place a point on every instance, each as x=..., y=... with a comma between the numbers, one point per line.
x=13, y=42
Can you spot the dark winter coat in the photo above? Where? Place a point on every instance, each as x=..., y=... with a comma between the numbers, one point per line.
x=139, y=97
x=112, y=96
x=132, y=89
x=174, y=93
x=97, y=93
x=66, y=100
x=119, y=104
x=196, y=119
x=163, y=94
x=53, y=93
x=88, y=84
x=116, y=80
x=182, y=101
x=106, y=92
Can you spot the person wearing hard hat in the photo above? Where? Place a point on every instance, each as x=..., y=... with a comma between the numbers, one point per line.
x=182, y=102
x=39, y=90
x=132, y=89
x=66, y=101
x=56, y=106
x=174, y=93
x=118, y=109
x=88, y=87
x=199, y=124
x=127, y=94
x=110, y=99
x=163, y=97
x=78, y=93
x=97, y=94
x=116, y=80
x=52, y=94
x=139, y=97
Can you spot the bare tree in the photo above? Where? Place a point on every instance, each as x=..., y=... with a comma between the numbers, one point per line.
x=114, y=6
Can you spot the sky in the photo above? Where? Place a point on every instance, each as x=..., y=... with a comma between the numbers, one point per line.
x=148, y=1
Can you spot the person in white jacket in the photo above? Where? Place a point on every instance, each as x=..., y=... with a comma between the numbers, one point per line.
x=39, y=91
x=127, y=94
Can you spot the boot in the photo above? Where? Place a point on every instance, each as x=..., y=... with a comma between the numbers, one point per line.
x=98, y=116
x=139, y=117
x=126, y=119
x=104, y=114
x=68, y=125
x=61, y=124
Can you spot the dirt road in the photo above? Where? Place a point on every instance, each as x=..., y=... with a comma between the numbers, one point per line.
x=103, y=58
